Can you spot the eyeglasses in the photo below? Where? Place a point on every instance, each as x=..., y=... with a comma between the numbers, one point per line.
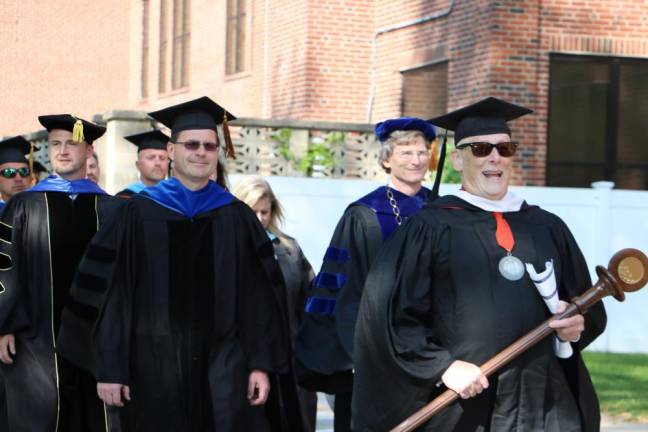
x=483, y=149
x=195, y=145
x=11, y=172
x=423, y=154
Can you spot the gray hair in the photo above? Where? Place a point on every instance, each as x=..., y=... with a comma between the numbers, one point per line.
x=398, y=137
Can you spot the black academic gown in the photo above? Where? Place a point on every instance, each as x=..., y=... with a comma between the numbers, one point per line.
x=297, y=273
x=125, y=193
x=324, y=345
x=437, y=296
x=42, y=238
x=192, y=305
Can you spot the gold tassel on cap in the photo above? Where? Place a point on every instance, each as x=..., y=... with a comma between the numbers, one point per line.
x=31, y=158
x=434, y=156
x=229, y=147
x=77, y=132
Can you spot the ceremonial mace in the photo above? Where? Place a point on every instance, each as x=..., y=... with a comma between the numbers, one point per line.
x=626, y=272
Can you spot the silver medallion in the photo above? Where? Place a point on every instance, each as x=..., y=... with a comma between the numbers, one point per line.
x=511, y=268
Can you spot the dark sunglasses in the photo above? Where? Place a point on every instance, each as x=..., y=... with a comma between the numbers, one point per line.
x=11, y=172
x=195, y=145
x=483, y=149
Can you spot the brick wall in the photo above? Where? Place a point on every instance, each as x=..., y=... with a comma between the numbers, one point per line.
x=311, y=59
x=339, y=49
x=66, y=57
x=502, y=48
x=527, y=32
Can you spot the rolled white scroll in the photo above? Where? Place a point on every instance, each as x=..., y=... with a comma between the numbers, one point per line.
x=545, y=282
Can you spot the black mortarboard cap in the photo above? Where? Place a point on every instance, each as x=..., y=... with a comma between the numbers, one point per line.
x=488, y=116
x=154, y=139
x=201, y=113
x=14, y=150
x=82, y=130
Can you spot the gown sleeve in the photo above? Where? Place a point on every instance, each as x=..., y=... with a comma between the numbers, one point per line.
x=574, y=279
x=14, y=315
x=306, y=276
x=394, y=340
x=113, y=257
x=262, y=309
x=324, y=344
x=89, y=289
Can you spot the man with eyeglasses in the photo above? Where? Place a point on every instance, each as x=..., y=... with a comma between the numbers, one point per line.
x=43, y=233
x=324, y=347
x=470, y=274
x=15, y=175
x=191, y=324
x=152, y=161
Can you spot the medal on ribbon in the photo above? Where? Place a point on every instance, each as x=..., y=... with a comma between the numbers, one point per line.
x=509, y=266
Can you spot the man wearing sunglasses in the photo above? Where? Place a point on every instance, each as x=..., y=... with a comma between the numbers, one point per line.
x=465, y=278
x=43, y=234
x=15, y=175
x=192, y=323
x=14, y=178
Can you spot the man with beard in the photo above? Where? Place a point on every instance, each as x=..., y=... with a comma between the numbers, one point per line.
x=460, y=283
x=15, y=175
x=191, y=323
x=324, y=346
x=152, y=160
x=43, y=233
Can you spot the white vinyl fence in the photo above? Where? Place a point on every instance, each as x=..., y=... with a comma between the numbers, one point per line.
x=602, y=219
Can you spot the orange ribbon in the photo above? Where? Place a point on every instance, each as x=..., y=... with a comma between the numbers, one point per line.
x=503, y=233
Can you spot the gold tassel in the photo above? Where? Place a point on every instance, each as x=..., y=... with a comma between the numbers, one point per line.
x=77, y=132
x=31, y=158
x=434, y=156
x=229, y=147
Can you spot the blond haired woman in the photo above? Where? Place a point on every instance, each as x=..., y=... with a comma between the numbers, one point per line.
x=297, y=272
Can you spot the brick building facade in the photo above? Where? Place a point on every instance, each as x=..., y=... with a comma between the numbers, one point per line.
x=581, y=66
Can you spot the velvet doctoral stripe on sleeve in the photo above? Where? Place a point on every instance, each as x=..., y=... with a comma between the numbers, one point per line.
x=144, y=337
x=324, y=343
x=110, y=261
x=89, y=288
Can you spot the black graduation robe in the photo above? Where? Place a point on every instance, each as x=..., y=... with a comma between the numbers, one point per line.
x=42, y=238
x=324, y=346
x=297, y=273
x=125, y=193
x=434, y=295
x=191, y=306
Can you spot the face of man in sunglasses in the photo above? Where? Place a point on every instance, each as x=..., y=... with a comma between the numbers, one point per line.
x=489, y=176
x=193, y=167
x=68, y=157
x=11, y=186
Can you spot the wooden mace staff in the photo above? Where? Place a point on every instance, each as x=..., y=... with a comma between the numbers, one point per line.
x=626, y=272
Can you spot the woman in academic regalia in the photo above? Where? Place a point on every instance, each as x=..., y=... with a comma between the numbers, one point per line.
x=296, y=270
